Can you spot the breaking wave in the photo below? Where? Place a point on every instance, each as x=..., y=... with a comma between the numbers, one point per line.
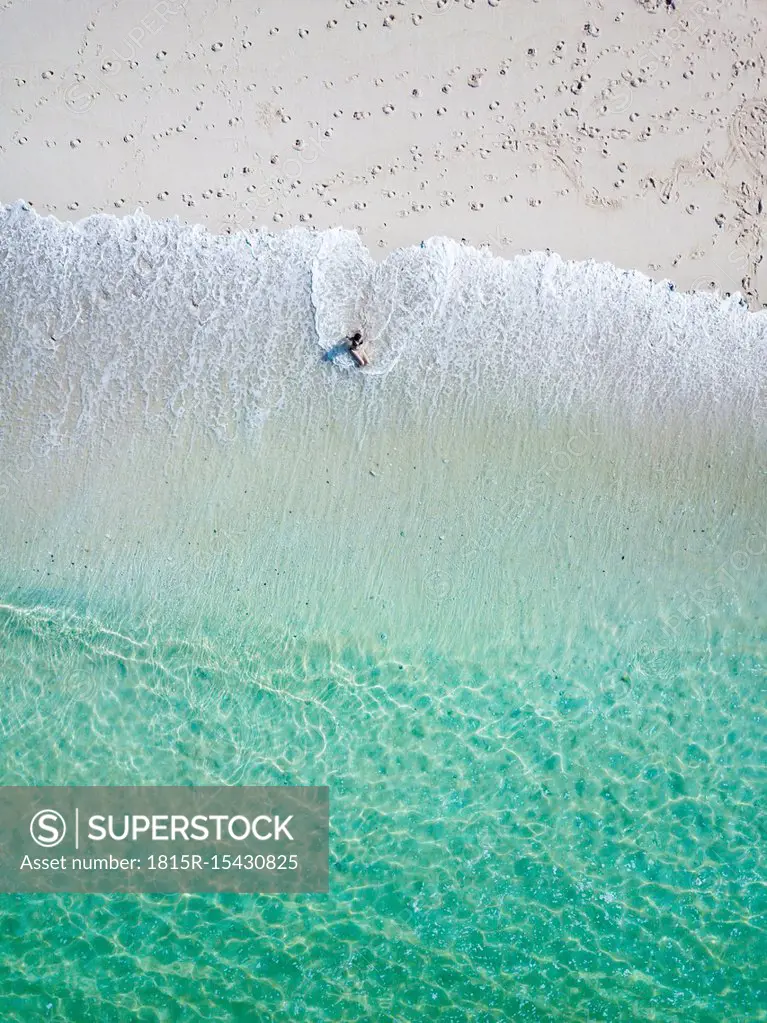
x=110, y=317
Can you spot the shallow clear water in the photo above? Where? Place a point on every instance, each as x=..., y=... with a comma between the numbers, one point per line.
x=504, y=594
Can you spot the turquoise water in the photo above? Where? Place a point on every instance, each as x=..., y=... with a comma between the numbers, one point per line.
x=509, y=607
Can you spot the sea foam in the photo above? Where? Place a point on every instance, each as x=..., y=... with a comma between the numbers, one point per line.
x=114, y=316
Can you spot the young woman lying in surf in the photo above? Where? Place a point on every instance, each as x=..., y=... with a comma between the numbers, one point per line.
x=356, y=349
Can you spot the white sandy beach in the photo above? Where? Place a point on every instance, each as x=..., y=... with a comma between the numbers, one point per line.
x=634, y=133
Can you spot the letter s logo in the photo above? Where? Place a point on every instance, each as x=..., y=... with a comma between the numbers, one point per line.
x=48, y=828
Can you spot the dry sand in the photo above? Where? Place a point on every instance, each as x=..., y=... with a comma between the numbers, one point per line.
x=634, y=132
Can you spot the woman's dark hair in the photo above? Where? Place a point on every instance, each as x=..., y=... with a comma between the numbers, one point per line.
x=355, y=337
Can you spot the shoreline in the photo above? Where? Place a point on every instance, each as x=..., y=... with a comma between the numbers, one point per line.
x=633, y=137
x=378, y=258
